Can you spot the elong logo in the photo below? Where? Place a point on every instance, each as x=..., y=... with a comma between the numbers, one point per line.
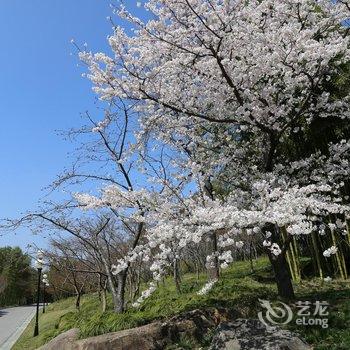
x=281, y=314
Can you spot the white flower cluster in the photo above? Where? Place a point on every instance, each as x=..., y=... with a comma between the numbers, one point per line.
x=210, y=261
x=200, y=75
x=101, y=125
x=145, y=294
x=266, y=243
x=239, y=244
x=207, y=287
x=330, y=251
x=275, y=249
x=226, y=259
x=116, y=269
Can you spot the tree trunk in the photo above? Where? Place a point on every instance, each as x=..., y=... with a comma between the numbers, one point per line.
x=112, y=288
x=104, y=299
x=282, y=276
x=177, y=276
x=251, y=257
x=214, y=265
x=103, y=293
x=121, y=291
x=111, y=284
x=138, y=282
x=77, y=300
x=279, y=263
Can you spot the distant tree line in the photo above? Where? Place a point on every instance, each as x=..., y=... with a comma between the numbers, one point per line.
x=17, y=277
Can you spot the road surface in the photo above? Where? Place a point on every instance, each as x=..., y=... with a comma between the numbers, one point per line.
x=13, y=322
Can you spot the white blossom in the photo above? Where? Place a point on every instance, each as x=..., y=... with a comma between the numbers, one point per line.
x=239, y=244
x=266, y=243
x=228, y=68
x=330, y=251
x=275, y=249
x=207, y=287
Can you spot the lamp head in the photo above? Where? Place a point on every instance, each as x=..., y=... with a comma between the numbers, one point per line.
x=40, y=255
x=39, y=262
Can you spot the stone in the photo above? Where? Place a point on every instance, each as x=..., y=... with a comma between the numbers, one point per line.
x=251, y=334
x=157, y=335
x=63, y=341
x=194, y=324
x=148, y=337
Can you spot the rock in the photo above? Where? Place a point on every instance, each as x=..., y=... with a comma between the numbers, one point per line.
x=62, y=341
x=147, y=337
x=157, y=335
x=194, y=324
x=241, y=334
x=251, y=334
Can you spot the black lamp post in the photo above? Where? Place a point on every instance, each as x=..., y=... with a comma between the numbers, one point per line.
x=46, y=284
x=44, y=299
x=39, y=266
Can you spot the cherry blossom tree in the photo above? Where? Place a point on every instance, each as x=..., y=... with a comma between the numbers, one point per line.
x=230, y=82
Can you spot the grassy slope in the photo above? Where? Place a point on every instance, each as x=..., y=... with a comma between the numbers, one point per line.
x=237, y=289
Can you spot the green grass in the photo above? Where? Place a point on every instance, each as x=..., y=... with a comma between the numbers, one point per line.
x=337, y=335
x=237, y=289
x=49, y=324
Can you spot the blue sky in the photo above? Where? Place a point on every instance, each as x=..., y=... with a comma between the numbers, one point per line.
x=41, y=91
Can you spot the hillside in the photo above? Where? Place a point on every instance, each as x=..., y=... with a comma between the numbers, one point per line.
x=238, y=289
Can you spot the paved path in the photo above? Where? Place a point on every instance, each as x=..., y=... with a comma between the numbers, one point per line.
x=13, y=322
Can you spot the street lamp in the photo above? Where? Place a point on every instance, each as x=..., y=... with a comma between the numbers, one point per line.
x=39, y=265
x=46, y=284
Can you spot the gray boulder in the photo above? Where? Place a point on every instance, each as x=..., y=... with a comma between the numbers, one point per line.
x=251, y=334
x=154, y=336
x=63, y=341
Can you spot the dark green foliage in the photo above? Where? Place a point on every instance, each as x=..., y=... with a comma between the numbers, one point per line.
x=322, y=131
x=16, y=277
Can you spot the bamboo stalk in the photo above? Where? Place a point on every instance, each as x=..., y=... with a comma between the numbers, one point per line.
x=348, y=230
x=295, y=259
x=290, y=256
x=340, y=267
x=297, y=253
x=317, y=254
